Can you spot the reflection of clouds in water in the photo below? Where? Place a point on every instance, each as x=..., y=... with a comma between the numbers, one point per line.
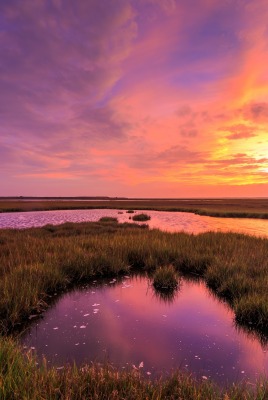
x=133, y=326
x=169, y=221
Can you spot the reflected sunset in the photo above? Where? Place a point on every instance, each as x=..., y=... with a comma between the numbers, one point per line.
x=195, y=332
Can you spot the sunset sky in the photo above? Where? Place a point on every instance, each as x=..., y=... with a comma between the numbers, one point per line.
x=135, y=98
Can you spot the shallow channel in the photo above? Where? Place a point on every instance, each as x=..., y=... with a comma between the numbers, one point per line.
x=125, y=323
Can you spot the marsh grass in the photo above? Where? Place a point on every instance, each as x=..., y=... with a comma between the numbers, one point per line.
x=42, y=260
x=35, y=263
x=224, y=208
x=165, y=278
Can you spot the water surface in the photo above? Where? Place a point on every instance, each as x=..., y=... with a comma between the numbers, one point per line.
x=168, y=221
x=125, y=323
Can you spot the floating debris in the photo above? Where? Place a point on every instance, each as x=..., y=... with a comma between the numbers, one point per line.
x=82, y=326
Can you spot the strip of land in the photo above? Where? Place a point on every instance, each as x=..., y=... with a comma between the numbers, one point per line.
x=36, y=262
x=224, y=208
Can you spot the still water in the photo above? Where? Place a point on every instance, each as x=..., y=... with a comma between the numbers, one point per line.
x=125, y=323
x=168, y=221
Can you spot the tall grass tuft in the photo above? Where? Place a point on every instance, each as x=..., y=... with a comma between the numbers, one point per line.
x=165, y=278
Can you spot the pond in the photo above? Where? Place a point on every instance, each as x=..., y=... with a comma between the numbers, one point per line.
x=168, y=221
x=125, y=323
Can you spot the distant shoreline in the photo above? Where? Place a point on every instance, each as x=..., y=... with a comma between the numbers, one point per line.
x=212, y=207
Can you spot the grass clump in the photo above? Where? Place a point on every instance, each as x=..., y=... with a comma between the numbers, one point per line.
x=165, y=278
x=141, y=217
x=130, y=211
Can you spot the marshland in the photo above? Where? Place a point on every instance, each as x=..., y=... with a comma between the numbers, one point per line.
x=215, y=207
x=40, y=265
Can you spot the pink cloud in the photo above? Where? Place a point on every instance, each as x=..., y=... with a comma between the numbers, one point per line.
x=133, y=92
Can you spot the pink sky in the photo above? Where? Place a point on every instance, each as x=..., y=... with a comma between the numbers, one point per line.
x=144, y=98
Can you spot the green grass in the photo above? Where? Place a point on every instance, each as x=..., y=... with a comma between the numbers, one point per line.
x=36, y=262
x=165, y=278
x=141, y=217
x=235, y=208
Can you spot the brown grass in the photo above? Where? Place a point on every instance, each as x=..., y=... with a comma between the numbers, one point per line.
x=236, y=208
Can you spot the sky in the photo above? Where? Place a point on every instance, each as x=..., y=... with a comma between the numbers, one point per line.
x=134, y=98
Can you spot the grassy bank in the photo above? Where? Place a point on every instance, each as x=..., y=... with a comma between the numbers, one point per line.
x=235, y=208
x=36, y=262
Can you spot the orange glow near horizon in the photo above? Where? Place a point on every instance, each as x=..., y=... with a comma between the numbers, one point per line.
x=137, y=99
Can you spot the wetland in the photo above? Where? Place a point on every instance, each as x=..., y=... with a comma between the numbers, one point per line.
x=83, y=292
